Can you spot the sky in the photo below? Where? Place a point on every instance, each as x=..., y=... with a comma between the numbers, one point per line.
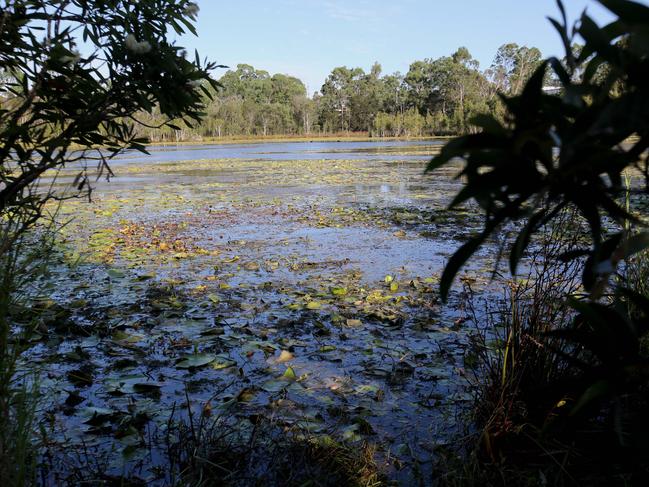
x=308, y=38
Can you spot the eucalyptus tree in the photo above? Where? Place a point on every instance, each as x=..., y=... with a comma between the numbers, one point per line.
x=337, y=92
x=394, y=90
x=513, y=66
x=448, y=88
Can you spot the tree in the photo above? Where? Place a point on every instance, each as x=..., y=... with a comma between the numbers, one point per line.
x=394, y=94
x=513, y=66
x=80, y=71
x=448, y=88
x=557, y=158
x=76, y=77
x=340, y=87
x=555, y=152
x=285, y=88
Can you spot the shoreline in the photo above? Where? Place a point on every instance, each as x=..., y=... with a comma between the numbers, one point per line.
x=286, y=139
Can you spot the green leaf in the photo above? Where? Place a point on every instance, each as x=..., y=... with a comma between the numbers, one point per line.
x=630, y=12
x=595, y=392
x=339, y=291
x=289, y=373
x=195, y=361
x=523, y=240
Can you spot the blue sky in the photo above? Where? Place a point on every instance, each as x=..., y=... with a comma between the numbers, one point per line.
x=308, y=38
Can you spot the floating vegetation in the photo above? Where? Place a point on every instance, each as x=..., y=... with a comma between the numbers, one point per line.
x=302, y=290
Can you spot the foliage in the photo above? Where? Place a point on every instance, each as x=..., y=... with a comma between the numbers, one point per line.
x=206, y=450
x=554, y=152
x=76, y=74
x=552, y=155
x=520, y=377
x=513, y=66
x=436, y=96
x=22, y=264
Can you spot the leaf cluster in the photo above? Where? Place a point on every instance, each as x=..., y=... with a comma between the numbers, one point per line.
x=553, y=152
x=74, y=75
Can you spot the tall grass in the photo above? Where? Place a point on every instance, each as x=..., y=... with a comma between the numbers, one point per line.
x=519, y=369
x=22, y=261
x=261, y=450
x=561, y=381
x=517, y=364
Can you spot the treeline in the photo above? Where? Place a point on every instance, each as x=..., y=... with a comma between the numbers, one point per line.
x=435, y=97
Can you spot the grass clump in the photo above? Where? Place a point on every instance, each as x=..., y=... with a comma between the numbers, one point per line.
x=561, y=380
x=257, y=450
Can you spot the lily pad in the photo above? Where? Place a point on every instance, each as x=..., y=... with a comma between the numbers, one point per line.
x=115, y=273
x=339, y=291
x=275, y=385
x=195, y=361
x=222, y=362
x=353, y=323
x=145, y=387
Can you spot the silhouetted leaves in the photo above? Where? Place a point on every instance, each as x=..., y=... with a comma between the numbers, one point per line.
x=563, y=151
x=60, y=106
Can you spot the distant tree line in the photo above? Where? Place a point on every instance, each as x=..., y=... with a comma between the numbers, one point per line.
x=435, y=97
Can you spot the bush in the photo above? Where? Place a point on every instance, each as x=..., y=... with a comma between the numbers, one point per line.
x=566, y=389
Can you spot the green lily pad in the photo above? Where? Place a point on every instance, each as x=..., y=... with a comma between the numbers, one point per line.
x=195, y=361
x=222, y=362
x=275, y=385
x=339, y=291
x=115, y=273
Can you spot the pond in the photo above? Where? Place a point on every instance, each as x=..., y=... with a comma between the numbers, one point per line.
x=293, y=280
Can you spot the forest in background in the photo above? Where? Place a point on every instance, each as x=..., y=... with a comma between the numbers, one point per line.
x=435, y=97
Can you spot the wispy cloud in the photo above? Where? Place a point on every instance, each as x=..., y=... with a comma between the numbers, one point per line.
x=351, y=10
x=341, y=11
